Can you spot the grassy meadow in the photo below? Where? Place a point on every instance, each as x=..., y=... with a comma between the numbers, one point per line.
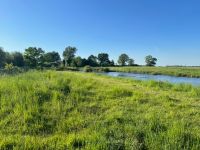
x=74, y=110
x=173, y=71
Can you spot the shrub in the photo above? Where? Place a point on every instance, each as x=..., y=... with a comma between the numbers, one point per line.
x=87, y=69
x=105, y=69
x=66, y=68
x=10, y=69
x=101, y=69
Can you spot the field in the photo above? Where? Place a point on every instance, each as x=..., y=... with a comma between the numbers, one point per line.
x=72, y=110
x=173, y=71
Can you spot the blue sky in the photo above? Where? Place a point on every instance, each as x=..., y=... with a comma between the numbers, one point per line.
x=168, y=30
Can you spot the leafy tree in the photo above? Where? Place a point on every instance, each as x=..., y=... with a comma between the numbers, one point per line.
x=2, y=57
x=51, y=59
x=123, y=59
x=18, y=59
x=9, y=58
x=69, y=54
x=84, y=62
x=103, y=59
x=15, y=58
x=112, y=63
x=77, y=62
x=92, y=61
x=150, y=60
x=63, y=63
x=34, y=56
x=130, y=62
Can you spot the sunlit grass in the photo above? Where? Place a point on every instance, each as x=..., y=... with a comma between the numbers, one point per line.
x=68, y=110
x=173, y=71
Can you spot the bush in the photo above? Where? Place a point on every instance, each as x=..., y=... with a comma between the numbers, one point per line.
x=66, y=69
x=10, y=69
x=106, y=69
x=87, y=69
x=101, y=69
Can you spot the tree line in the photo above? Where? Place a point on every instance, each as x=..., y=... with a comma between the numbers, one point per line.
x=34, y=57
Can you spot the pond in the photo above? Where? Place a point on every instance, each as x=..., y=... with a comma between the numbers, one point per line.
x=171, y=79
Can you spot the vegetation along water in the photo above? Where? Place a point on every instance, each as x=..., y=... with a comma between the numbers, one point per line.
x=173, y=71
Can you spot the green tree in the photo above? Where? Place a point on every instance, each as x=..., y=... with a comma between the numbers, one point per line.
x=69, y=54
x=92, y=61
x=2, y=57
x=77, y=62
x=112, y=63
x=34, y=57
x=150, y=60
x=18, y=59
x=130, y=62
x=103, y=59
x=9, y=58
x=84, y=62
x=123, y=59
x=52, y=59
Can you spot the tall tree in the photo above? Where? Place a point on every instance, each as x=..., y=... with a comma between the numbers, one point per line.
x=9, y=58
x=52, y=59
x=123, y=59
x=18, y=59
x=2, y=57
x=150, y=60
x=69, y=54
x=103, y=59
x=34, y=57
x=84, y=62
x=92, y=61
x=112, y=63
x=77, y=62
x=131, y=62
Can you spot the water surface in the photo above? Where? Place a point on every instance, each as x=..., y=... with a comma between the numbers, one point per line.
x=171, y=79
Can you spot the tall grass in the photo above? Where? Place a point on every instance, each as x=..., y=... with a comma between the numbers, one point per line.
x=173, y=71
x=68, y=110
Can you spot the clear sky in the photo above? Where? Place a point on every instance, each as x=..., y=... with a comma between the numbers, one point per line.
x=166, y=29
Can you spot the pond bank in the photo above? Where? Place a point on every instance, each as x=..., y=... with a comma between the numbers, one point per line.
x=191, y=72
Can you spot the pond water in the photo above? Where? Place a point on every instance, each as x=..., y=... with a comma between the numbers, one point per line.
x=171, y=79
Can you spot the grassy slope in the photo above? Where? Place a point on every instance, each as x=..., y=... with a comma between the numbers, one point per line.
x=59, y=110
x=173, y=71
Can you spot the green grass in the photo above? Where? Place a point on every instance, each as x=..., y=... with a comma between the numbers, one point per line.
x=72, y=110
x=173, y=71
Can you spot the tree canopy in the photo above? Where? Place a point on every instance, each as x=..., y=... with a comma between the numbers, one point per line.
x=18, y=59
x=103, y=59
x=150, y=60
x=123, y=59
x=92, y=61
x=52, y=59
x=77, y=62
x=69, y=54
x=131, y=62
x=2, y=57
x=34, y=57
